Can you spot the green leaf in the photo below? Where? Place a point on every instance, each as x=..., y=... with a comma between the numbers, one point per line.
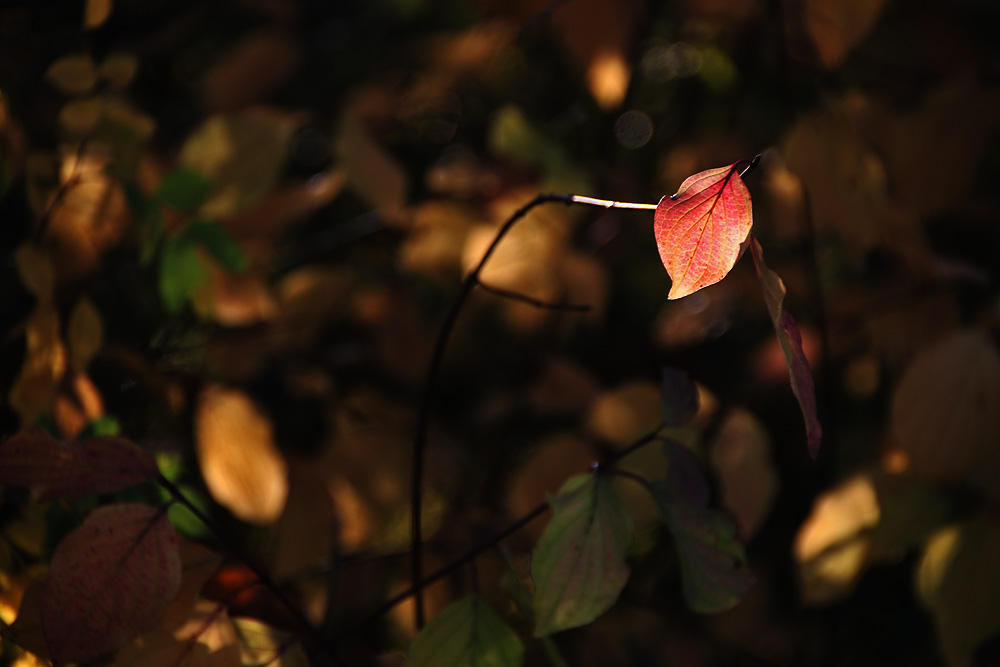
x=184, y=189
x=182, y=272
x=220, y=245
x=579, y=564
x=467, y=634
x=713, y=563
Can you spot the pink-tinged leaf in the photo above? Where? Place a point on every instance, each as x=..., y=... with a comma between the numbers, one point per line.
x=700, y=230
x=111, y=580
x=790, y=341
x=57, y=469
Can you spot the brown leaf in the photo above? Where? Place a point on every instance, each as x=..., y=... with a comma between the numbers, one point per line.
x=73, y=75
x=84, y=334
x=241, y=465
x=34, y=268
x=837, y=26
x=260, y=63
x=371, y=170
x=96, y=13
x=26, y=631
x=205, y=638
x=741, y=459
x=111, y=579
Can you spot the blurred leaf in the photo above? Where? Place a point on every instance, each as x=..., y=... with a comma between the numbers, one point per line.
x=834, y=543
x=182, y=271
x=183, y=189
x=261, y=644
x=956, y=579
x=101, y=426
x=55, y=469
x=790, y=341
x=579, y=563
x=371, y=170
x=713, y=563
x=214, y=238
x=512, y=135
x=96, y=13
x=741, y=460
x=260, y=63
x=79, y=117
x=470, y=633
x=35, y=270
x=946, y=410
x=242, y=467
x=73, y=75
x=84, y=334
x=26, y=631
x=111, y=579
x=205, y=639
x=242, y=154
x=700, y=231
x=837, y=26
x=118, y=70
x=44, y=365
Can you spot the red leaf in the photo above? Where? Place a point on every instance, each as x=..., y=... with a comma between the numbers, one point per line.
x=791, y=346
x=700, y=230
x=56, y=469
x=111, y=580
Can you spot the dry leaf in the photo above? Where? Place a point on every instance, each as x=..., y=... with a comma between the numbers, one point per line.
x=252, y=70
x=35, y=270
x=44, y=364
x=206, y=638
x=96, y=13
x=741, y=459
x=371, y=170
x=73, y=75
x=242, y=467
x=837, y=26
x=84, y=334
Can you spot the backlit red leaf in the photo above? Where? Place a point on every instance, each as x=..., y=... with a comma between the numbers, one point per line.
x=111, y=580
x=700, y=230
x=791, y=346
x=57, y=469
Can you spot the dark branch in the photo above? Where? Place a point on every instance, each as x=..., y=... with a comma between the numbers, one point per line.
x=538, y=303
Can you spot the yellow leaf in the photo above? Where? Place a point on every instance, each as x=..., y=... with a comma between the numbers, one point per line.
x=73, y=75
x=118, y=70
x=44, y=365
x=83, y=334
x=241, y=465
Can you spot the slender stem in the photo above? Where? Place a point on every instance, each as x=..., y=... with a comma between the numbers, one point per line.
x=423, y=415
x=532, y=301
x=264, y=577
x=627, y=474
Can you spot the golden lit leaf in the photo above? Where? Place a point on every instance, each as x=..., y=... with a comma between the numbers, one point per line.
x=26, y=631
x=96, y=13
x=73, y=75
x=837, y=26
x=111, y=579
x=44, y=365
x=956, y=579
x=946, y=409
x=241, y=465
x=261, y=644
x=833, y=544
x=84, y=334
x=626, y=413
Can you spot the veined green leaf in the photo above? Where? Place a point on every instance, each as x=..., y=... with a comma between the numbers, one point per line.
x=713, y=563
x=466, y=634
x=579, y=564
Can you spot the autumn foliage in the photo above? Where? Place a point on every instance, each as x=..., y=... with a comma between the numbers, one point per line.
x=371, y=334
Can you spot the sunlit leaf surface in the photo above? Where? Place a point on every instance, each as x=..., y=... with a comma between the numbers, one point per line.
x=579, y=564
x=713, y=563
x=700, y=230
x=467, y=633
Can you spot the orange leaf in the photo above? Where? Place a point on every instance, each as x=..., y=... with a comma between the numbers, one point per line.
x=57, y=469
x=111, y=580
x=790, y=341
x=700, y=230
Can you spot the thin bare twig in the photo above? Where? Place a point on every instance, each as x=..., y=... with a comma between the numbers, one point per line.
x=532, y=301
x=434, y=368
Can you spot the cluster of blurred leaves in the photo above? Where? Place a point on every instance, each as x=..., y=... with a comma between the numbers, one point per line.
x=231, y=231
